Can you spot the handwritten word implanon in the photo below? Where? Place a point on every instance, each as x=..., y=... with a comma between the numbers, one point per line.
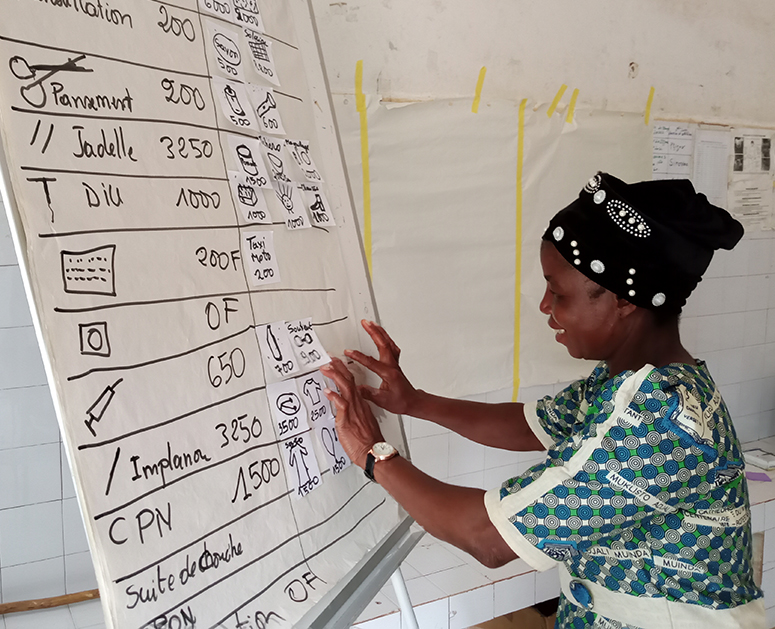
x=97, y=10
x=170, y=461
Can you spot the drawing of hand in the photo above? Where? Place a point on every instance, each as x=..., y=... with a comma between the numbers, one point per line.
x=356, y=425
x=396, y=394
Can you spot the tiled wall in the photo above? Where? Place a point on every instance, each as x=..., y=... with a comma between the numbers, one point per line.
x=43, y=547
x=729, y=322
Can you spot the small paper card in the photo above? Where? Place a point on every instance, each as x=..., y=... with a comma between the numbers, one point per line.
x=258, y=252
x=301, y=465
x=288, y=411
x=290, y=198
x=300, y=151
x=261, y=53
x=224, y=49
x=250, y=199
x=306, y=345
x=265, y=107
x=335, y=455
x=246, y=153
x=276, y=352
x=317, y=204
x=235, y=104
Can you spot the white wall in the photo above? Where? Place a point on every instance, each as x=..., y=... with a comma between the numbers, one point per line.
x=708, y=60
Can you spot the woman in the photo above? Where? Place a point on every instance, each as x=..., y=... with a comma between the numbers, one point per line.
x=642, y=499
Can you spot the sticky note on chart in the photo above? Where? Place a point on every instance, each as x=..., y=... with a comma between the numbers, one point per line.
x=261, y=54
x=288, y=410
x=247, y=13
x=306, y=345
x=219, y=8
x=316, y=202
x=301, y=465
x=235, y=104
x=276, y=351
x=258, y=252
x=312, y=386
x=245, y=154
x=334, y=453
x=300, y=152
x=265, y=106
x=281, y=166
x=224, y=50
x=250, y=199
x=289, y=196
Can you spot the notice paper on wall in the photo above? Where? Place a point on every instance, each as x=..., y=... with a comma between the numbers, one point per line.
x=711, y=164
x=183, y=316
x=751, y=178
x=673, y=150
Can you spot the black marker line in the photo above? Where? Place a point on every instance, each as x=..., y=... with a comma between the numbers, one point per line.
x=301, y=100
x=35, y=133
x=129, y=230
x=192, y=350
x=154, y=361
x=292, y=568
x=151, y=623
x=162, y=121
x=199, y=470
x=97, y=56
x=171, y=420
x=112, y=470
x=48, y=138
x=175, y=6
x=172, y=300
x=234, y=521
x=227, y=22
x=66, y=171
x=203, y=537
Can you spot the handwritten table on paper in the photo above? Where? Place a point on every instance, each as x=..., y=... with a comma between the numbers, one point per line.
x=187, y=268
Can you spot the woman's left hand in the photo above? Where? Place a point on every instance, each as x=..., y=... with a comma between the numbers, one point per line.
x=356, y=425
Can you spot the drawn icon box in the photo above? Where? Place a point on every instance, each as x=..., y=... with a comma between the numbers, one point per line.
x=90, y=272
x=94, y=338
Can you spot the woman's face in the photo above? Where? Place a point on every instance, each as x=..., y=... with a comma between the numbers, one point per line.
x=584, y=315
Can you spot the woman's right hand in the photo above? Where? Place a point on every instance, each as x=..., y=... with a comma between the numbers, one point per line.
x=396, y=394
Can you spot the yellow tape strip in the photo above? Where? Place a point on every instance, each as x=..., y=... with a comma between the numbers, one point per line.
x=360, y=105
x=556, y=100
x=518, y=247
x=648, y=105
x=572, y=106
x=478, y=94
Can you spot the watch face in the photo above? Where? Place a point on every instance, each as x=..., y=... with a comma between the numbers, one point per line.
x=382, y=449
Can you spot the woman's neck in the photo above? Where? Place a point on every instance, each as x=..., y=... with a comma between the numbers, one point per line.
x=648, y=343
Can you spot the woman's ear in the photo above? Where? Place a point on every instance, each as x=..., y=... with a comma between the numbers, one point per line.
x=624, y=308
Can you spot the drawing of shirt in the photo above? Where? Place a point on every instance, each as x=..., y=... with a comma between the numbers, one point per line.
x=642, y=496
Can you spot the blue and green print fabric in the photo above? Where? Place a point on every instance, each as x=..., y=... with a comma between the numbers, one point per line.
x=644, y=495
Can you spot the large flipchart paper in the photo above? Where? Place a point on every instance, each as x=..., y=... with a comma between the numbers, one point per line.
x=182, y=217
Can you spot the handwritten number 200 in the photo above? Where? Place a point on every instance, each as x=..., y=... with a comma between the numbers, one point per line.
x=199, y=148
x=176, y=26
x=234, y=367
x=182, y=94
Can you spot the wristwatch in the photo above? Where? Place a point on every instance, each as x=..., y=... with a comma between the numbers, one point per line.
x=380, y=451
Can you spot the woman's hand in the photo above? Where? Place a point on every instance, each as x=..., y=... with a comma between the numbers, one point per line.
x=395, y=394
x=356, y=425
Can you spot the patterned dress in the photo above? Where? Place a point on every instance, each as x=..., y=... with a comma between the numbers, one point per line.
x=642, y=500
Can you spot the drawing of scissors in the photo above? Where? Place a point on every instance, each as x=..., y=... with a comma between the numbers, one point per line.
x=34, y=93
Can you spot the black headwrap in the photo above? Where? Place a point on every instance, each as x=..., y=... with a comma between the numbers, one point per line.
x=648, y=242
